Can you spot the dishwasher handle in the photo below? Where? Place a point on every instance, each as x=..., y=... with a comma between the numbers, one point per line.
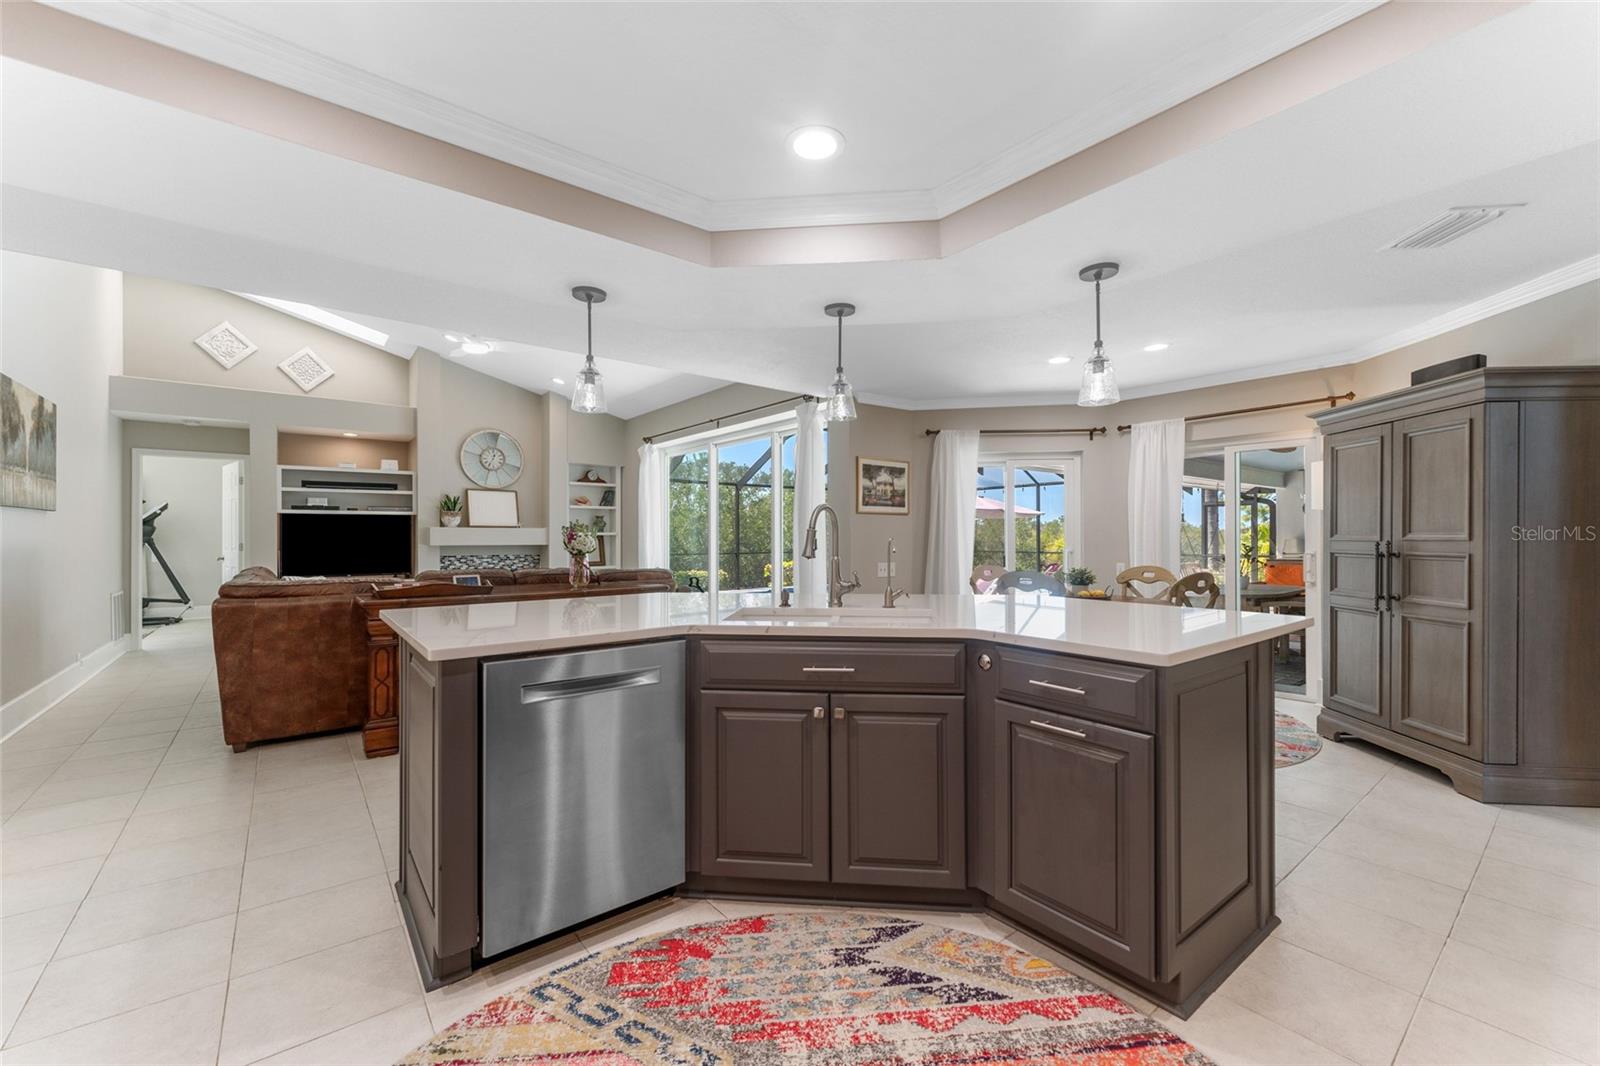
x=573, y=687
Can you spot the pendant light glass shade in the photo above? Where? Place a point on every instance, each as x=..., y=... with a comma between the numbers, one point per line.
x=589, y=394
x=840, y=403
x=1099, y=386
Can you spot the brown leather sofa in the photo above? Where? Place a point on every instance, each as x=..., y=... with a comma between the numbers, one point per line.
x=296, y=657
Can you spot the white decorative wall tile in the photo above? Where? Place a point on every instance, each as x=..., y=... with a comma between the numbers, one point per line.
x=306, y=369
x=224, y=343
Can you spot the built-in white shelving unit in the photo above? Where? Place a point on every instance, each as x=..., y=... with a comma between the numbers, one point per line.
x=350, y=491
x=609, y=486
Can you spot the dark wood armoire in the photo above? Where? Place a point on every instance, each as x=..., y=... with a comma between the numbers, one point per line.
x=1461, y=608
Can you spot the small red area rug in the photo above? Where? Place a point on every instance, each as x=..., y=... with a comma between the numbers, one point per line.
x=1294, y=742
x=847, y=988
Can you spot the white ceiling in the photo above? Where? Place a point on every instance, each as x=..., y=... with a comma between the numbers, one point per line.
x=684, y=108
x=1254, y=255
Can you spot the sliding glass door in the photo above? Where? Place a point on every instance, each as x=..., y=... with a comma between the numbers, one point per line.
x=729, y=506
x=1027, y=517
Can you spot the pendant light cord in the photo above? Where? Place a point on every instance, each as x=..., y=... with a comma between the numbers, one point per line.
x=839, y=367
x=588, y=304
x=1097, y=342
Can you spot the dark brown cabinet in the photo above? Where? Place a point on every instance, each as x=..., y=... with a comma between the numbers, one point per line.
x=1074, y=831
x=763, y=785
x=1447, y=504
x=899, y=790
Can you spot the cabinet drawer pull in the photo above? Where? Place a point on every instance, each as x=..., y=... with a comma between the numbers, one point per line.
x=827, y=669
x=817, y=712
x=1058, y=688
x=1061, y=729
x=838, y=712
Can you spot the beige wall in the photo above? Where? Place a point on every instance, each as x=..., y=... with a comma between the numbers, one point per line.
x=163, y=318
x=1559, y=330
x=453, y=402
x=61, y=336
x=315, y=449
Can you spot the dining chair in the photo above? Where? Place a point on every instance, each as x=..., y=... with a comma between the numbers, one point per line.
x=1199, y=583
x=1146, y=575
x=1031, y=581
x=984, y=577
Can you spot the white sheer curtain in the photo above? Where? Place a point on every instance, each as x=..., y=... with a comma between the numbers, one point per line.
x=952, y=510
x=810, y=489
x=652, y=506
x=1155, y=488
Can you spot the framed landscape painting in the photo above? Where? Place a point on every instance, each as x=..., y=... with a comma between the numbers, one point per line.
x=883, y=486
x=28, y=437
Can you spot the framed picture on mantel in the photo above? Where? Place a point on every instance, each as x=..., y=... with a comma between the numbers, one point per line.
x=492, y=507
x=883, y=486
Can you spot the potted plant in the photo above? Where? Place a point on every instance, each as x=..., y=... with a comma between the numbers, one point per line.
x=450, y=510
x=1079, y=579
x=580, y=542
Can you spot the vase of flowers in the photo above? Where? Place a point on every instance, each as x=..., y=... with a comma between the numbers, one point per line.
x=450, y=510
x=580, y=542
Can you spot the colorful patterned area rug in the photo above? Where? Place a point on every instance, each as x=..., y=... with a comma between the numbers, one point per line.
x=846, y=988
x=1295, y=742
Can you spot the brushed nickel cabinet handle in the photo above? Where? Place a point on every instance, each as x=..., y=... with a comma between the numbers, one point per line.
x=827, y=669
x=818, y=712
x=1059, y=688
x=1061, y=729
x=838, y=712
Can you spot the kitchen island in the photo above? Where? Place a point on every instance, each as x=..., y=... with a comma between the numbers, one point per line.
x=1099, y=773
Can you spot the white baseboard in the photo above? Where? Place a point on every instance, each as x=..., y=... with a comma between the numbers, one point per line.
x=52, y=690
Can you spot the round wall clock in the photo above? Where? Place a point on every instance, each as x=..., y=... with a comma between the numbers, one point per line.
x=491, y=458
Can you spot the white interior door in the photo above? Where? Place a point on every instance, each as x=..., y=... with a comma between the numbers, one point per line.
x=232, y=520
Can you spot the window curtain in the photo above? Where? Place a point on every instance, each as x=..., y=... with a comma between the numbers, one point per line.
x=810, y=489
x=1155, y=489
x=952, y=510
x=653, y=507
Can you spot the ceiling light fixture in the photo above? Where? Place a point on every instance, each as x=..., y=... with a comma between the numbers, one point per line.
x=589, y=395
x=454, y=338
x=840, y=404
x=1099, y=386
x=476, y=348
x=1158, y=346
x=816, y=142
x=559, y=381
x=1059, y=360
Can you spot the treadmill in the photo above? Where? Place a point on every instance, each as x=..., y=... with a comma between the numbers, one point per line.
x=148, y=520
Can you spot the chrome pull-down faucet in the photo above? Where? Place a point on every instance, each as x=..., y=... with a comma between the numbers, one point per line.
x=837, y=586
x=890, y=593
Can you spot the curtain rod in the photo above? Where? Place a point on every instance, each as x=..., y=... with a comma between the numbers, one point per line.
x=1091, y=431
x=1331, y=401
x=801, y=398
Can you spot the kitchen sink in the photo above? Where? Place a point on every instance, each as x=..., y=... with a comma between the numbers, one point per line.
x=848, y=616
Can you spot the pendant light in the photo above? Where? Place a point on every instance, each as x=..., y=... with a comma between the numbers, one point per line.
x=1099, y=386
x=840, y=404
x=589, y=394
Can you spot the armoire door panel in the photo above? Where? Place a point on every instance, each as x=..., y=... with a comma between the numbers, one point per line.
x=1434, y=476
x=1354, y=662
x=1436, y=688
x=1353, y=573
x=1356, y=477
x=1434, y=579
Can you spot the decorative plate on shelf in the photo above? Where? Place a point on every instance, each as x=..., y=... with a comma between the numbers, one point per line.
x=491, y=458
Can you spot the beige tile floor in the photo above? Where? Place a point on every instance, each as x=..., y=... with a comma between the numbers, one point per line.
x=166, y=901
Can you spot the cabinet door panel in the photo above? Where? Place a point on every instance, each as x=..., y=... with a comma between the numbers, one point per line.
x=1075, y=831
x=764, y=785
x=1435, y=640
x=899, y=790
x=1353, y=640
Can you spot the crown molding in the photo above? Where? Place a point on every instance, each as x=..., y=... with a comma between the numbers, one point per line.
x=210, y=34
x=1550, y=284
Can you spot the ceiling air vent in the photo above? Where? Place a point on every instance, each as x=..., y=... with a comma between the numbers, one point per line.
x=1452, y=225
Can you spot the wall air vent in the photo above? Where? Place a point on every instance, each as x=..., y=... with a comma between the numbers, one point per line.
x=1452, y=225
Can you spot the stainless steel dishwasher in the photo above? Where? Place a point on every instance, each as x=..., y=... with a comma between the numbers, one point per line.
x=583, y=787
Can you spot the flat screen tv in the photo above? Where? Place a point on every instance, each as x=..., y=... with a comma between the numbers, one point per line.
x=339, y=545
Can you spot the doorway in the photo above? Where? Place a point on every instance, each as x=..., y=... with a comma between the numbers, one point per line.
x=187, y=534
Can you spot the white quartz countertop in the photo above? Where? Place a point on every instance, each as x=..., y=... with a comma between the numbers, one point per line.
x=1146, y=634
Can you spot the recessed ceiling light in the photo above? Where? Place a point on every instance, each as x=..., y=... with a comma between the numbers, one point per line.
x=1057, y=360
x=816, y=142
x=1158, y=346
x=454, y=338
x=477, y=347
x=559, y=381
x=349, y=434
